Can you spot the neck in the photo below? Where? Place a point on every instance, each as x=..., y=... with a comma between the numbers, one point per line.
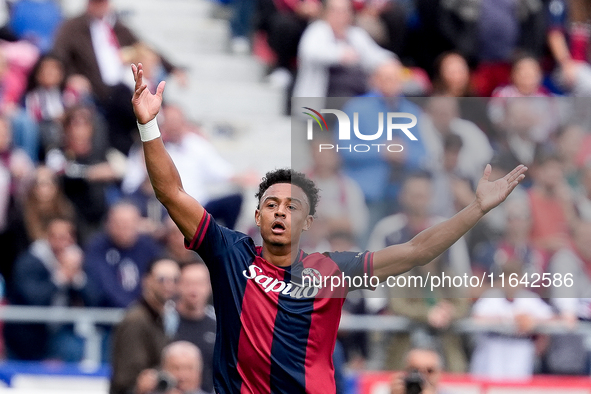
x=190, y=311
x=280, y=256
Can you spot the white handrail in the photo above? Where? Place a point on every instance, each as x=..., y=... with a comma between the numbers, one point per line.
x=85, y=321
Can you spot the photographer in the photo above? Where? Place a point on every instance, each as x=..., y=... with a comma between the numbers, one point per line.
x=423, y=367
x=180, y=372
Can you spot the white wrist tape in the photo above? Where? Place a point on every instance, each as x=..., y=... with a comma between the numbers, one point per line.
x=149, y=131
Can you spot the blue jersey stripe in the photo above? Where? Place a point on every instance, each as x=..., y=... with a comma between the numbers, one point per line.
x=290, y=340
x=228, y=290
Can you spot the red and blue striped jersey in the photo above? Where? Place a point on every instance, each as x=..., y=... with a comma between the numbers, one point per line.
x=273, y=335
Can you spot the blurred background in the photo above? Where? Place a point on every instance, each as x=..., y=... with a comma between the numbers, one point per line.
x=100, y=294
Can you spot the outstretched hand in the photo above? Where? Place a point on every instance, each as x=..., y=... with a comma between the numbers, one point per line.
x=145, y=104
x=490, y=194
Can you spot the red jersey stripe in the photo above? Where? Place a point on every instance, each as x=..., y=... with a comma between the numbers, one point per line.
x=200, y=232
x=256, y=336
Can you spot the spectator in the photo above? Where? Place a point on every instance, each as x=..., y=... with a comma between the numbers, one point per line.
x=16, y=61
x=197, y=320
x=570, y=141
x=241, y=25
x=491, y=31
x=117, y=258
x=492, y=228
x=380, y=173
x=335, y=57
x=174, y=243
x=77, y=91
x=48, y=274
x=508, y=356
x=43, y=200
x=284, y=22
x=452, y=192
x=515, y=244
x=434, y=312
x=198, y=177
x=452, y=76
x=140, y=337
x=566, y=352
x=520, y=122
x=154, y=215
x=44, y=101
x=181, y=365
x=36, y=21
x=427, y=362
x=574, y=260
x=568, y=42
x=90, y=45
x=551, y=204
x=526, y=78
x=15, y=169
x=385, y=21
x=88, y=165
x=342, y=205
x=415, y=216
x=442, y=118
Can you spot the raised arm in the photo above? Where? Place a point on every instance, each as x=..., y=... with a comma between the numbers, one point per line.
x=433, y=241
x=184, y=210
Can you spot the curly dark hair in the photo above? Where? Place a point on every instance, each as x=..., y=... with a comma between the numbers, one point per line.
x=287, y=175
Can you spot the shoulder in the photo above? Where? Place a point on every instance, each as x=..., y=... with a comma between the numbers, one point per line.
x=316, y=29
x=318, y=25
x=135, y=315
x=356, y=32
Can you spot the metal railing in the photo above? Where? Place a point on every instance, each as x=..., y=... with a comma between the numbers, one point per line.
x=85, y=321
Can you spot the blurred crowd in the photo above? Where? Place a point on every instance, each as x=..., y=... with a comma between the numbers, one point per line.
x=491, y=81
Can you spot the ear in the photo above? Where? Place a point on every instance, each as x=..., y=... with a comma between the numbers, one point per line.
x=257, y=217
x=308, y=222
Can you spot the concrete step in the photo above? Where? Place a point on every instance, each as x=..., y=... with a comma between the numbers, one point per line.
x=222, y=67
x=167, y=7
x=184, y=35
x=257, y=143
x=219, y=100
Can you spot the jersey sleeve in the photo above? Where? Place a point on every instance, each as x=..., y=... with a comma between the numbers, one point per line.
x=355, y=264
x=212, y=240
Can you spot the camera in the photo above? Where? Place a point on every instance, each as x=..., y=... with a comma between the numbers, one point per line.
x=165, y=382
x=413, y=383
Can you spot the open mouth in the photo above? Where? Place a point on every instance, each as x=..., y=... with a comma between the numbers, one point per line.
x=277, y=227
